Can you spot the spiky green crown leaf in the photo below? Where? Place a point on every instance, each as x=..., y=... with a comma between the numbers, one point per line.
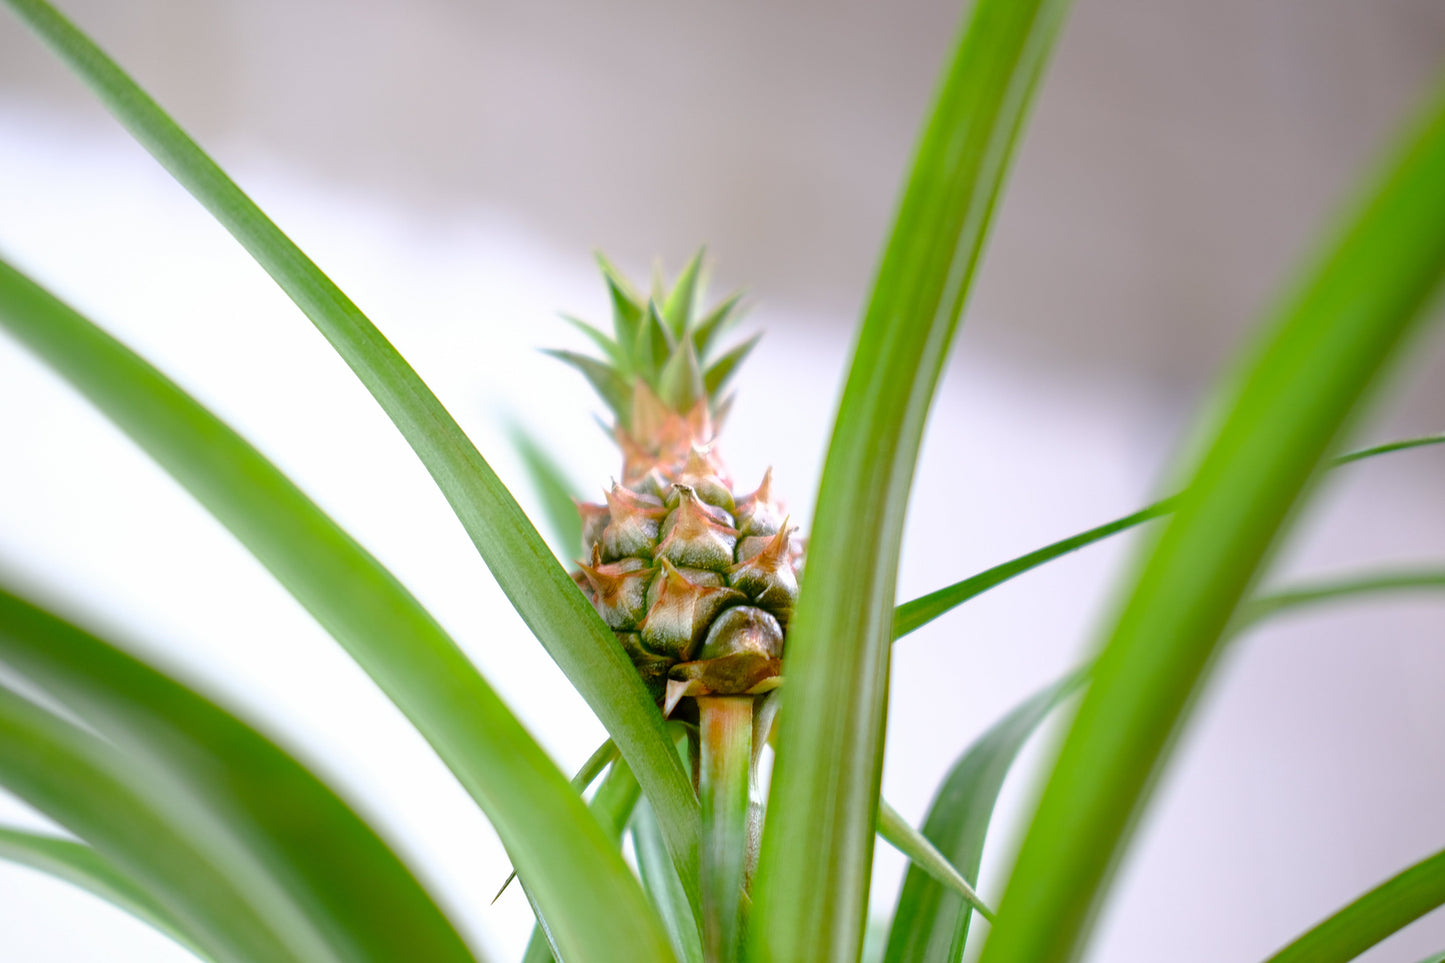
x=664, y=341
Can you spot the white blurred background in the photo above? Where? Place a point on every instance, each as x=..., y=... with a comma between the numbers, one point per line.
x=452, y=166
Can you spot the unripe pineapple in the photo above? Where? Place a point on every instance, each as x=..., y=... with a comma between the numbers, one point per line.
x=697, y=582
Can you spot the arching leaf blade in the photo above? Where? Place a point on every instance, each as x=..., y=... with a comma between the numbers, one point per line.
x=811, y=890
x=1381, y=912
x=1327, y=346
x=83, y=867
x=917, y=613
x=555, y=489
x=155, y=835
x=925, y=857
x=540, y=819
x=549, y=602
x=326, y=860
x=930, y=922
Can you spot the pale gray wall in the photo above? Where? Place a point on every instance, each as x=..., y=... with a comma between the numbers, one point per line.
x=1180, y=158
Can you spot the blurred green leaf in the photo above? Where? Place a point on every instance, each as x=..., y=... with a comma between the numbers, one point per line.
x=627, y=307
x=725, y=367
x=606, y=345
x=925, y=857
x=678, y=307
x=811, y=891
x=659, y=878
x=81, y=866
x=581, y=780
x=540, y=819
x=353, y=891
x=680, y=384
x=920, y=611
x=556, y=490
x=654, y=345
x=714, y=323
x=1402, y=445
x=1384, y=910
x=930, y=922
x=544, y=595
x=603, y=378
x=1326, y=347
x=1340, y=589
x=155, y=834
x=612, y=805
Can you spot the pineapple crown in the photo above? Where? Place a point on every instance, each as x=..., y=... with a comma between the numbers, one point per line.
x=663, y=352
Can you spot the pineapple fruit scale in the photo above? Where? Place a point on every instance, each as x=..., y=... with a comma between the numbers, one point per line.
x=697, y=582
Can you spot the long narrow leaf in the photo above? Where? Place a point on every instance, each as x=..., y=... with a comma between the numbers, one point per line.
x=1328, y=346
x=925, y=856
x=1338, y=590
x=81, y=866
x=154, y=833
x=920, y=611
x=540, y=589
x=555, y=489
x=930, y=922
x=575, y=874
x=612, y=805
x=812, y=882
x=330, y=865
x=917, y=613
x=1382, y=911
x=659, y=878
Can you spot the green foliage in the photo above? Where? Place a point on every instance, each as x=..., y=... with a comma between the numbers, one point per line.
x=1382, y=911
x=191, y=820
x=812, y=885
x=1320, y=355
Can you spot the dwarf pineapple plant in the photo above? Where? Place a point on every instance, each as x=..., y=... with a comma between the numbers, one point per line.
x=686, y=600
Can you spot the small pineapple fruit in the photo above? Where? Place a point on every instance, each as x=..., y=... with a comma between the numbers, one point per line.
x=697, y=582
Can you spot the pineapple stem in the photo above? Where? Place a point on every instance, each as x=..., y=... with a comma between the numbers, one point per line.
x=726, y=727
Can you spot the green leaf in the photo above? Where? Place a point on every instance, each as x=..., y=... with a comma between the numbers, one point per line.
x=153, y=833
x=1384, y=910
x=584, y=777
x=930, y=922
x=606, y=345
x=81, y=866
x=612, y=805
x=925, y=856
x=540, y=819
x=714, y=323
x=555, y=488
x=654, y=345
x=811, y=896
x=352, y=889
x=725, y=367
x=659, y=879
x=544, y=595
x=609, y=385
x=920, y=611
x=680, y=385
x=1326, y=347
x=678, y=306
x=1337, y=590
x=627, y=306
x=1402, y=445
